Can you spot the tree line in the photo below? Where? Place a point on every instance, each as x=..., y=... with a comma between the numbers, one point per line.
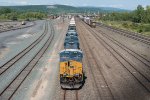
x=10, y=14
x=140, y=15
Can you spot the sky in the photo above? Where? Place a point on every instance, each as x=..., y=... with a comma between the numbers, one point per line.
x=124, y=4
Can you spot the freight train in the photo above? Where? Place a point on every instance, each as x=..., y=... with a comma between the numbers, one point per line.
x=88, y=21
x=71, y=67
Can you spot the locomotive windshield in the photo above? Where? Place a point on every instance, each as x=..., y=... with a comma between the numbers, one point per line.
x=71, y=55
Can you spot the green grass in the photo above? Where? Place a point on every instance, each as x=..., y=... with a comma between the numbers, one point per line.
x=130, y=26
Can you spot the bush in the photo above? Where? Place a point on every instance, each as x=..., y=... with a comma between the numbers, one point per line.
x=147, y=28
x=125, y=25
x=14, y=18
x=140, y=31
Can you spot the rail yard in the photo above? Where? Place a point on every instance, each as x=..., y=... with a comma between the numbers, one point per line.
x=73, y=58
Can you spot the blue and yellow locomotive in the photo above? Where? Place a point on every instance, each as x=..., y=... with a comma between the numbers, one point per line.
x=71, y=67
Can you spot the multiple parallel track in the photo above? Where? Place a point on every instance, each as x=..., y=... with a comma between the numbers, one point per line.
x=126, y=33
x=140, y=77
x=11, y=89
x=91, y=60
x=16, y=58
x=93, y=63
x=142, y=59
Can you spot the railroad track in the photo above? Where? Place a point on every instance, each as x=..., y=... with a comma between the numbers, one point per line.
x=91, y=62
x=16, y=58
x=143, y=60
x=65, y=95
x=140, y=77
x=11, y=89
x=126, y=33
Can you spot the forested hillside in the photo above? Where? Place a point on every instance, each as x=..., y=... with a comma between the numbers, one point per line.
x=137, y=20
x=41, y=11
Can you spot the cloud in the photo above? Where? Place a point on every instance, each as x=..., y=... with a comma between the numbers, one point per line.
x=16, y=2
x=23, y=2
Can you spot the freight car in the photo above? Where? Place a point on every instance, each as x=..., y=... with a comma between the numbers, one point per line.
x=71, y=68
x=90, y=22
x=72, y=25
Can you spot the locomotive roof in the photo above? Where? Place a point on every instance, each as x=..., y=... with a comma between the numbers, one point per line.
x=72, y=50
x=71, y=37
x=72, y=31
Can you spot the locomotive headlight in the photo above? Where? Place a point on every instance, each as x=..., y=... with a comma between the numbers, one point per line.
x=65, y=74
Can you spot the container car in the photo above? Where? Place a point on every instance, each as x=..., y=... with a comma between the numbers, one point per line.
x=72, y=25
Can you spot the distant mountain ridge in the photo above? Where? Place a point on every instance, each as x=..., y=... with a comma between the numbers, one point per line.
x=57, y=9
x=103, y=9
